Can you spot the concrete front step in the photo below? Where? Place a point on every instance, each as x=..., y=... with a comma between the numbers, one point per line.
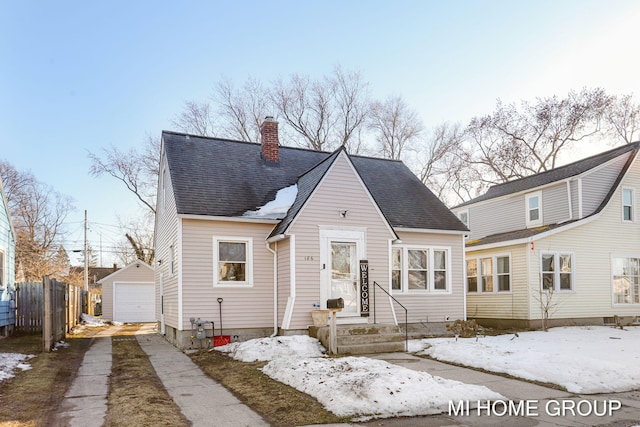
x=363, y=339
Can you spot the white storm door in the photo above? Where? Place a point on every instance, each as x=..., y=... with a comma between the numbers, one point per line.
x=340, y=255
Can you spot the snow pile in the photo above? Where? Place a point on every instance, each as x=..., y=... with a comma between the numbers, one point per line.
x=60, y=344
x=594, y=359
x=9, y=362
x=351, y=386
x=277, y=208
x=88, y=320
x=265, y=349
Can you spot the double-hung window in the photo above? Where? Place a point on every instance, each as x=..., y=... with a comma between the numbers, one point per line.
x=233, y=258
x=626, y=280
x=628, y=213
x=415, y=269
x=557, y=271
x=489, y=274
x=534, y=209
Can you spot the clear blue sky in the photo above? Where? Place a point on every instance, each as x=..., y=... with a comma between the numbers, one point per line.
x=81, y=75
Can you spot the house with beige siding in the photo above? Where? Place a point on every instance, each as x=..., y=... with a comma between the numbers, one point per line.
x=254, y=237
x=128, y=294
x=567, y=239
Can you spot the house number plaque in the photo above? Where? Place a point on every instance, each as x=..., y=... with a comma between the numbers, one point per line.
x=364, y=288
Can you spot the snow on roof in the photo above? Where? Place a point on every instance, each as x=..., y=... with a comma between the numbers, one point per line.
x=277, y=208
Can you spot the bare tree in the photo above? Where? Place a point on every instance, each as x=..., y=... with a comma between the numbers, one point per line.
x=353, y=107
x=394, y=126
x=38, y=213
x=138, y=171
x=623, y=118
x=196, y=118
x=543, y=294
x=242, y=110
x=138, y=240
x=516, y=141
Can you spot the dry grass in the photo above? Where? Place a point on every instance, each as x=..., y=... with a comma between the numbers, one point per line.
x=278, y=403
x=32, y=396
x=136, y=395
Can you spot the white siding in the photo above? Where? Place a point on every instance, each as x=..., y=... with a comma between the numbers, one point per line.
x=597, y=184
x=555, y=204
x=483, y=217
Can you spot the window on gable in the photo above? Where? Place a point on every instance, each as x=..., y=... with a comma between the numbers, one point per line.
x=233, y=259
x=627, y=204
x=557, y=271
x=626, y=280
x=420, y=269
x=534, y=209
x=464, y=217
x=494, y=274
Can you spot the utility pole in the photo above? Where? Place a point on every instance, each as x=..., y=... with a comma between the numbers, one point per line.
x=86, y=250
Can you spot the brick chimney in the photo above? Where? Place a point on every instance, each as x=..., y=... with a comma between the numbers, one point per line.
x=270, y=143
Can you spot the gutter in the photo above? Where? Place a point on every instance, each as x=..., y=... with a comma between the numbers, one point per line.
x=275, y=288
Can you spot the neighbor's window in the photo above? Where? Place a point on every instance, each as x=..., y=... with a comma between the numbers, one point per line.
x=626, y=280
x=420, y=269
x=472, y=275
x=627, y=204
x=494, y=274
x=503, y=273
x=464, y=217
x=172, y=262
x=396, y=269
x=233, y=260
x=534, y=209
x=557, y=271
x=487, y=274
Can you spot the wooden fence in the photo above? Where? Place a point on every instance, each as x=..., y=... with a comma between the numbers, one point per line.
x=51, y=308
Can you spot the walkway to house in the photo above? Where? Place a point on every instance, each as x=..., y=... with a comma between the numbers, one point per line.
x=202, y=400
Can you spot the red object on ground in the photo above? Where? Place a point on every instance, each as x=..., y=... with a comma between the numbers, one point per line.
x=219, y=340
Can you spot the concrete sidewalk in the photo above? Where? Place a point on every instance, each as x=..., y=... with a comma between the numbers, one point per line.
x=202, y=400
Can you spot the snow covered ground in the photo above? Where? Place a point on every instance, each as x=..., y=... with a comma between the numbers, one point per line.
x=590, y=359
x=9, y=362
x=354, y=386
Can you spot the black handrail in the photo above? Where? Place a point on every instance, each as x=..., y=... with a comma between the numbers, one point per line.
x=406, y=329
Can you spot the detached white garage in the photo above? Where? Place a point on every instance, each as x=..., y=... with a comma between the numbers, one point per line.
x=128, y=295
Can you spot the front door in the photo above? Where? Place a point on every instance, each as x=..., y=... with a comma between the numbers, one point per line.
x=343, y=266
x=340, y=255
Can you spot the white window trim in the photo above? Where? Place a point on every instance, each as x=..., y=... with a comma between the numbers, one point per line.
x=248, y=283
x=613, y=294
x=556, y=271
x=404, y=273
x=633, y=204
x=528, y=198
x=494, y=269
x=3, y=272
x=172, y=261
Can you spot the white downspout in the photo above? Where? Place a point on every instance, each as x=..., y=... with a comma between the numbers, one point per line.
x=275, y=288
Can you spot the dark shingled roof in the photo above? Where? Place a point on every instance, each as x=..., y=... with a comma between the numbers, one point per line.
x=553, y=175
x=219, y=177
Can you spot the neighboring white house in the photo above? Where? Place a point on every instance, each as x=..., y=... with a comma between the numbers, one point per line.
x=7, y=246
x=128, y=295
x=574, y=229
x=274, y=232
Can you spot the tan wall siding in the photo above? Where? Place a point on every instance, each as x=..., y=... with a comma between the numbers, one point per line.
x=339, y=191
x=166, y=234
x=435, y=307
x=242, y=307
x=503, y=305
x=593, y=245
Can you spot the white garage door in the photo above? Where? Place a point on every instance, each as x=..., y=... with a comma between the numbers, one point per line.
x=134, y=302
